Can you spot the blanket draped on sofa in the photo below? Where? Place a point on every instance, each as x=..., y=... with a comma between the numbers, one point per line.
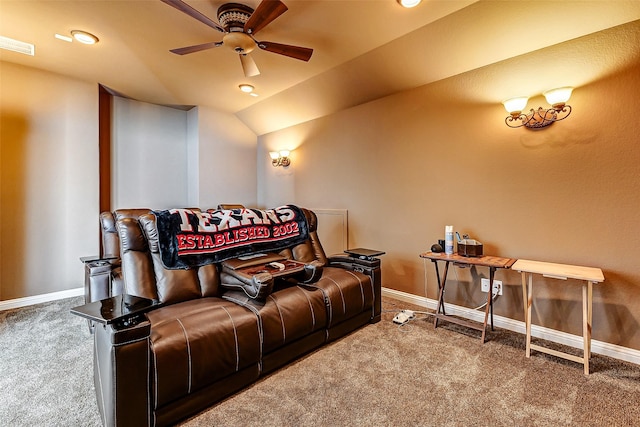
x=191, y=238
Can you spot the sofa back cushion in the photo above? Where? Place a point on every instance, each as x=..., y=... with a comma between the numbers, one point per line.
x=110, y=241
x=137, y=267
x=172, y=285
x=311, y=249
x=109, y=233
x=143, y=272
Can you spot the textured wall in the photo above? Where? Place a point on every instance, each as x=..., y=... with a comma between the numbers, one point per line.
x=49, y=180
x=49, y=172
x=409, y=164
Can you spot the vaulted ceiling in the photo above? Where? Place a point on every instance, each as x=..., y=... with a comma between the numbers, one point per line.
x=363, y=49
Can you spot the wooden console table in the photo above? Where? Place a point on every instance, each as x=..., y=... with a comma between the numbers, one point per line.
x=492, y=262
x=589, y=275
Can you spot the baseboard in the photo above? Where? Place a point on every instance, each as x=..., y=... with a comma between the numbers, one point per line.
x=599, y=347
x=37, y=299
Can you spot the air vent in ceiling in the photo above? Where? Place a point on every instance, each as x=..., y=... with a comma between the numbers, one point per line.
x=16, y=46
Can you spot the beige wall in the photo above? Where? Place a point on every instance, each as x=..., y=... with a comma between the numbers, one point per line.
x=149, y=146
x=226, y=160
x=49, y=177
x=409, y=164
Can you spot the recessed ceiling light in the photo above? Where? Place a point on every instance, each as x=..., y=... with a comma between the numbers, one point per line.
x=246, y=88
x=409, y=3
x=84, y=37
x=17, y=46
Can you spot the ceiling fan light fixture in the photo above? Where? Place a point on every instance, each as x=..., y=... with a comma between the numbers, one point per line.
x=246, y=88
x=240, y=42
x=409, y=3
x=84, y=37
x=239, y=23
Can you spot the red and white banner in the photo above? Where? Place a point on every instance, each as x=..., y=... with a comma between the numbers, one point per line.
x=190, y=237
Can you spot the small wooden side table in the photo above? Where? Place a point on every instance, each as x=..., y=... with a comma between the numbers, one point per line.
x=589, y=275
x=493, y=262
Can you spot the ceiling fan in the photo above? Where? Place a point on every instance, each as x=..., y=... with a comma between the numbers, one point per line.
x=240, y=23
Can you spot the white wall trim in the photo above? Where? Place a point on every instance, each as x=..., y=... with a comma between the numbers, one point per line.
x=600, y=347
x=37, y=299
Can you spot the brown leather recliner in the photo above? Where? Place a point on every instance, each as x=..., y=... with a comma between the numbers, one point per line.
x=205, y=341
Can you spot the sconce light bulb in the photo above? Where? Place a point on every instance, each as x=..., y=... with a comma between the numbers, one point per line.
x=514, y=106
x=274, y=155
x=284, y=153
x=558, y=97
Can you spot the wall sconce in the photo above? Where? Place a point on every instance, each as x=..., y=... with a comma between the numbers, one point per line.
x=541, y=117
x=280, y=158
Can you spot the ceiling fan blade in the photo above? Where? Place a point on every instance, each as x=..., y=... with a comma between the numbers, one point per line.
x=248, y=65
x=301, y=53
x=266, y=12
x=185, y=8
x=196, y=48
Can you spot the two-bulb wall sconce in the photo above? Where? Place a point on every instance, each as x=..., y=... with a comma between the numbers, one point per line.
x=542, y=117
x=280, y=158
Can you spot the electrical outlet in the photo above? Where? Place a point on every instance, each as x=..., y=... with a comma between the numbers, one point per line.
x=497, y=286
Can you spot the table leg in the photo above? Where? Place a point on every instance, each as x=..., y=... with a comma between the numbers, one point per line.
x=586, y=324
x=441, y=284
x=528, y=314
x=489, y=307
x=523, y=277
x=590, y=312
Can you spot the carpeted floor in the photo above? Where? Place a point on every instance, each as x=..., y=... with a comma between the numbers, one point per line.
x=46, y=367
x=381, y=375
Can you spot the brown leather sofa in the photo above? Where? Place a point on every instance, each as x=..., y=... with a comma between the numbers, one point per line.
x=205, y=341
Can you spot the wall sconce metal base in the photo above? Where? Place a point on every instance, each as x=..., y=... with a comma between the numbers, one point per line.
x=540, y=118
x=281, y=161
x=280, y=158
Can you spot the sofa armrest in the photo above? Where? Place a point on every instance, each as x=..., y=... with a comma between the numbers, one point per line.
x=369, y=266
x=121, y=357
x=122, y=373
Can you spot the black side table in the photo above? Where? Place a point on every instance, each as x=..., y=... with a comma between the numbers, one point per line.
x=120, y=310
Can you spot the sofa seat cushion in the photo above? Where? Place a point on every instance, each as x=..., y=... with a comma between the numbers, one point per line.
x=196, y=343
x=286, y=315
x=347, y=293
